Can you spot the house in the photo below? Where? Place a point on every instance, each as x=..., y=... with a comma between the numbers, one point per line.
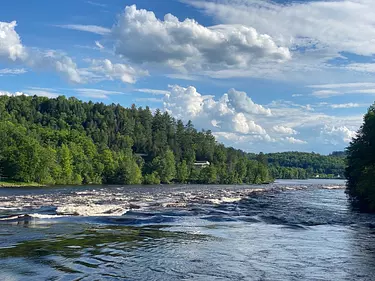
x=201, y=164
x=141, y=154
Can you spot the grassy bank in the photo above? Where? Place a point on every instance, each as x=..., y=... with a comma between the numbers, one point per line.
x=20, y=184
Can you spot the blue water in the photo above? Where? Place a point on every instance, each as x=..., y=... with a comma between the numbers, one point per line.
x=284, y=231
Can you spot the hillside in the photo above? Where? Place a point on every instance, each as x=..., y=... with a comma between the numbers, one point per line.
x=302, y=165
x=67, y=141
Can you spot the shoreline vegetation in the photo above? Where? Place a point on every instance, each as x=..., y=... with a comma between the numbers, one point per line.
x=20, y=184
x=5, y=184
x=361, y=165
x=60, y=141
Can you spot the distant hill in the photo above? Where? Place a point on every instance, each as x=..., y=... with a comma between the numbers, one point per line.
x=302, y=165
x=341, y=154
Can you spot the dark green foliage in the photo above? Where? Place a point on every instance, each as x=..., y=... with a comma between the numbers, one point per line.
x=302, y=165
x=361, y=165
x=67, y=141
x=341, y=154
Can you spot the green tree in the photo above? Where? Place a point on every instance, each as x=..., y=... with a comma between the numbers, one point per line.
x=109, y=165
x=182, y=172
x=208, y=175
x=361, y=165
x=152, y=178
x=128, y=171
x=65, y=161
x=165, y=166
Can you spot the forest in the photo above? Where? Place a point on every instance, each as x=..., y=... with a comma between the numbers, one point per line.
x=302, y=165
x=67, y=141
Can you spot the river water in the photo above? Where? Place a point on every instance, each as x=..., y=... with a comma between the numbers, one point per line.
x=289, y=230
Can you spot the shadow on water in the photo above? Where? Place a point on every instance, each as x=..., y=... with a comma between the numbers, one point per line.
x=362, y=248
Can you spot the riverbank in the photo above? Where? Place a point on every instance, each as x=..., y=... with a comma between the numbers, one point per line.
x=21, y=184
x=13, y=184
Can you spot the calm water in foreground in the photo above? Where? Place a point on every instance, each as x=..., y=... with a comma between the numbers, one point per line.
x=291, y=230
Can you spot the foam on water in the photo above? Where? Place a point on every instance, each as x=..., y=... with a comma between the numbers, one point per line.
x=333, y=187
x=44, y=216
x=91, y=210
x=117, y=201
x=7, y=218
x=224, y=200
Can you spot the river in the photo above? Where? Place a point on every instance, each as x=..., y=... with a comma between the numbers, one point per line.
x=289, y=230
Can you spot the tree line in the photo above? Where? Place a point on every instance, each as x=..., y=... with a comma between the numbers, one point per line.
x=303, y=165
x=67, y=141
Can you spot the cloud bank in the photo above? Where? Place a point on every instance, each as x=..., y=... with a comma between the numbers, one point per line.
x=143, y=38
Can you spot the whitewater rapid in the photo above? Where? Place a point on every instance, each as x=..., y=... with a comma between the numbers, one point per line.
x=290, y=230
x=116, y=201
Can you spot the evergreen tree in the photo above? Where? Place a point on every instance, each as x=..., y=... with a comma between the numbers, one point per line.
x=361, y=165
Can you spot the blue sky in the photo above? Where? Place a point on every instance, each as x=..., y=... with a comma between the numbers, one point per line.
x=263, y=76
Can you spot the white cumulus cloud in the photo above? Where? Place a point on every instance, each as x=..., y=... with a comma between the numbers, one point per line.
x=32, y=91
x=319, y=25
x=284, y=130
x=107, y=70
x=293, y=140
x=241, y=102
x=318, y=34
x=12, y=94
x=242, y=124
x=143, y=38
x=10, y=42
x=336, y=135
x=11, y=49
x=210, y=113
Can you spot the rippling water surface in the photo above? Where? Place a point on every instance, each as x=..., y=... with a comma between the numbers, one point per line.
x=290, y=230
